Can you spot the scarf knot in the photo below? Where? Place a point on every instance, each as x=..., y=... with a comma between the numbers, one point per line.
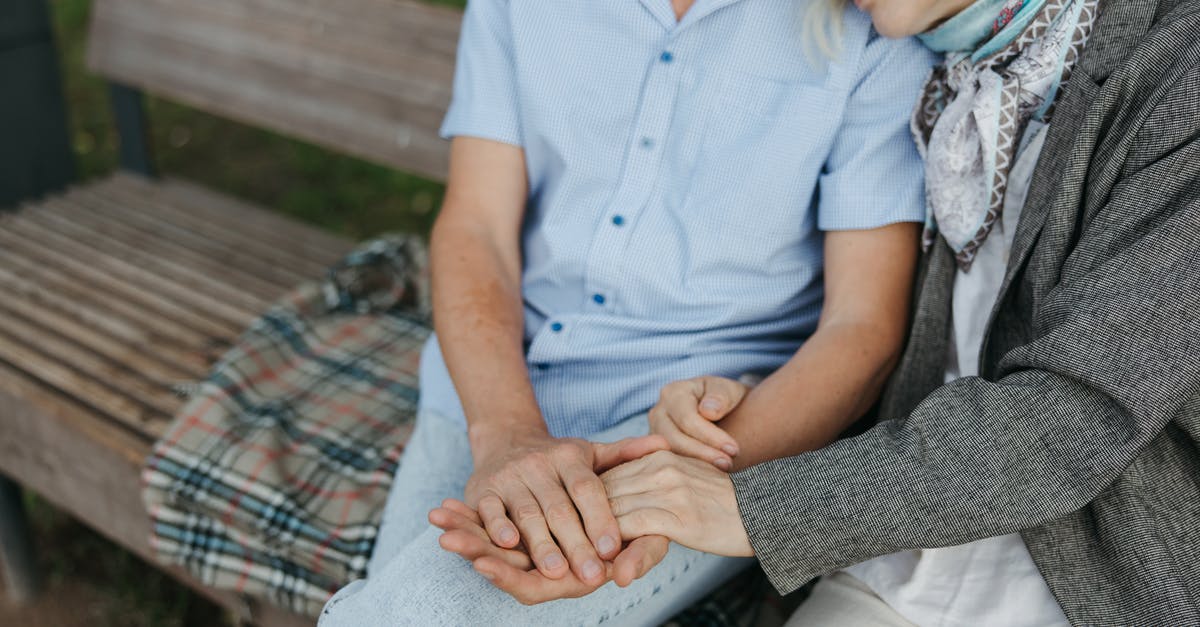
x=976, y=105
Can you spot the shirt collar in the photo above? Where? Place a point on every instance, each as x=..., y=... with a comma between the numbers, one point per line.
x=662, y=11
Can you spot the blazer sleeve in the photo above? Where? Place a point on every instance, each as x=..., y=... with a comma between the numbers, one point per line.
x=1116, y=355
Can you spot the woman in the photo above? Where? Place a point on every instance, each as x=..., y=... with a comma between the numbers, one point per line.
x=639, y=192
x=1051, y=384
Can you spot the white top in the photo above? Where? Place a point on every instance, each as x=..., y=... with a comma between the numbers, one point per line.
x=991, y=582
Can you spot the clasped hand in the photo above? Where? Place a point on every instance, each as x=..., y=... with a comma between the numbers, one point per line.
x=611, y=508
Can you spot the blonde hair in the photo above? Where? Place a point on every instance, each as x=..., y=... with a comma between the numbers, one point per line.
x=822, y=28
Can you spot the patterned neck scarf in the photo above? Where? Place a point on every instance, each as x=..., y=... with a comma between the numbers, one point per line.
x=1006, y=62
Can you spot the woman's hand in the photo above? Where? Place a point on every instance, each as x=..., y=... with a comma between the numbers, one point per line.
x=684, y=499
x=686, y=411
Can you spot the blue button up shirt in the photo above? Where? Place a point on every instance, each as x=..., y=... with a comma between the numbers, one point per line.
x=681, y=175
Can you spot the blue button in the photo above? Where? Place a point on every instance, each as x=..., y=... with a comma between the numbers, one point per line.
x=618, y=220
x=542, y=366
x=666, y=56
x=556, y=327
x=647, y=143
x=599, y=298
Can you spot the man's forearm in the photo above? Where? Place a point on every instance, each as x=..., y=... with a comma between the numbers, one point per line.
x=831, y=381
x=478, y=316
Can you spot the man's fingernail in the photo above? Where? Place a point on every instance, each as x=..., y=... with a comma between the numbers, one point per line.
x=606, y=544
x=591, y=569
x=731, y=449
x=490, y=576
x=722, y=463
x=507, y=535
x=553, y=561
x=711, y=404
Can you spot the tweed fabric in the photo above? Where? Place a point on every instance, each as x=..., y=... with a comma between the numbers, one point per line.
x=1082, y=430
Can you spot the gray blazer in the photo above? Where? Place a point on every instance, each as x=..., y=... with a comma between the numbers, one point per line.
x=1082, y=431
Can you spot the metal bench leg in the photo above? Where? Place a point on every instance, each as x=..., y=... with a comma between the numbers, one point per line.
x=16, y=545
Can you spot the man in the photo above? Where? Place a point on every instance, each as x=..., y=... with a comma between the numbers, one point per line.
x=639, y=192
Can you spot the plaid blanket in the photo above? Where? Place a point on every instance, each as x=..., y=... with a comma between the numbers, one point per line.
x=272, y=479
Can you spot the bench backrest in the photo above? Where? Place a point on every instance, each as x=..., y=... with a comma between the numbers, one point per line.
x=371, y=78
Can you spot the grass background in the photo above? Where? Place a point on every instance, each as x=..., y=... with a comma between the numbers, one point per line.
x=89, y=580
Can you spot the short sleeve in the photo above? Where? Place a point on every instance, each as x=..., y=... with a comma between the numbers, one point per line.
x=873, y=175
x=485, y=102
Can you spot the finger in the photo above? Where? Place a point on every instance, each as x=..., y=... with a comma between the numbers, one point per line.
x=564, y=522
x=587, y=491
x=530, y=587
x=528, y=513
x=462, y=508
x=650, y=521
x=662, y=469
x=638, y=558
x=684, y=415
x=607, y=456
x=497, y=523
x=450, y=520
x=717, y=396
x=684, y=444
x=629, y=503
x=634, y=476
x=472, y=547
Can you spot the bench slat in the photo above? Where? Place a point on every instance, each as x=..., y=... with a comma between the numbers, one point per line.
x=86, y=270
x=88, y=317
x=370, y=78
x=261, y=254
x=251, y=219
x=195, y=270
x=89, y=467
x=149, y=227
x=236, y=312
x=43, y=366
x=49, y=357
x=157, y=327
x=117, y=347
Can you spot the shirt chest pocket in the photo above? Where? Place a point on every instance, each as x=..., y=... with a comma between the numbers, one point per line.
x=762, y=143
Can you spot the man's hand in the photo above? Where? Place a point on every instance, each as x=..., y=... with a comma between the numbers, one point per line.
x=511, y=570
x=684, y=499
x=544, y=492
x=686, y=411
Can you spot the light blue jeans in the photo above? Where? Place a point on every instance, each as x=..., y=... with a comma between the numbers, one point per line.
x=413, y=581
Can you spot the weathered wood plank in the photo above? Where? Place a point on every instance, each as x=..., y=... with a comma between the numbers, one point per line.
x=91, y=315
x=117, y=346
x=199, y=320
x=115, y=216
x=83, y=367
x=90, y=468
x=206, y=236
x=205, y=274
x=40, y=242
x=366, y=77
x=252, y=219
x=131, y=412
x=158, y=327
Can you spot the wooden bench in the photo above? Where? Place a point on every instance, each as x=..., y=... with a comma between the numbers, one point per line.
x=116, y=290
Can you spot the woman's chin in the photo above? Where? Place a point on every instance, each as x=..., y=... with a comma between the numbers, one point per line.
x=893, y=29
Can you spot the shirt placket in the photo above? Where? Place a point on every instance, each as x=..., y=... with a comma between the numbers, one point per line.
x=644, y=153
